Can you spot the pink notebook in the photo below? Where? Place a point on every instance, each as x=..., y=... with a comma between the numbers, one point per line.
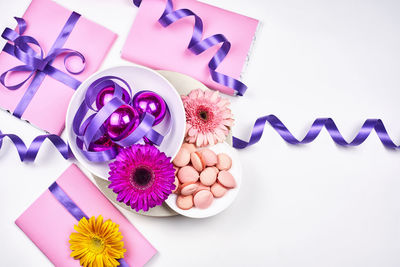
x=152, y=45
x=45, y=20
x=48, y=224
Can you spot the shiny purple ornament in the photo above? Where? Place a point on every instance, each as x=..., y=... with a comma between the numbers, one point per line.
x=147, y=101
x=101, y=144
x=107, y=94
x=122, y=122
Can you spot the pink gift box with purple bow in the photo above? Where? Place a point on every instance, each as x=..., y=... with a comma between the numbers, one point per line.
x=65, y=38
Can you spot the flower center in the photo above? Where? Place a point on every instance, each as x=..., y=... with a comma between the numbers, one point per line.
x=204, y=113
x=96, y=245
x=142, y=177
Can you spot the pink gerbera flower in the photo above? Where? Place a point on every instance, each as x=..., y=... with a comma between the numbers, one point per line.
x=208, y=117
x=142, y=176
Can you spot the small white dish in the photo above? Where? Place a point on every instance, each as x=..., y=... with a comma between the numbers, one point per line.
x=219, y=204
x=139, y=78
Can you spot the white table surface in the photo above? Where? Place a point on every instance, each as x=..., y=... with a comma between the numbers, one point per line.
x=314, y=205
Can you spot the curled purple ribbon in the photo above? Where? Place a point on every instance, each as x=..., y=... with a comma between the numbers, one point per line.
x=36, y=63
x=73, y=209
x=29, y=153
x=198, y=46
x=316, y=127
x=92, y=128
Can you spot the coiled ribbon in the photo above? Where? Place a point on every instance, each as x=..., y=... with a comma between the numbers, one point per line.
x=29, y=154
x=73, y=209
x=198, y=46
x=368, y=126
x=36, y=63
x=90, y=129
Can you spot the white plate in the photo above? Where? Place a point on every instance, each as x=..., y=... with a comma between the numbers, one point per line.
x=219, y=204
x=139, y=78
x=183, y=84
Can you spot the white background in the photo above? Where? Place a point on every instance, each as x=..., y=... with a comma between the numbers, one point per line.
x=313, y=205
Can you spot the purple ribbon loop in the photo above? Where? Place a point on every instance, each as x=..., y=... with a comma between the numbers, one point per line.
x=316, y=127
x=197, y=45
x=73, y=209
x=92, y=128
x=36, y=63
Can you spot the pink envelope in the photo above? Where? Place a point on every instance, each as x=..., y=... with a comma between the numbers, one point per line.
x=48, y=224
x=45, y=20
x=152, y=45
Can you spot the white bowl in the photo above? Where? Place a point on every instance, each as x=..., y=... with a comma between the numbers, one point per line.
x=139, y=78
x=219, y=204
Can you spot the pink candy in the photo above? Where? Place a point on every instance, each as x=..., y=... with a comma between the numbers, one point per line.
x=201, y=176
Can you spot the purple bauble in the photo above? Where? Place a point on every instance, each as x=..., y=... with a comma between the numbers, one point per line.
x=146, y=101
x=122, y=122
x=107, y=94
x=101, y=144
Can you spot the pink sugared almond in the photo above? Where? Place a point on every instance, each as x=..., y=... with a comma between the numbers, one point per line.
x=218, y=190
x=184, y=202
x=203, y=199
x=188, y=188
x=182, y=158
x=201, y=187
x=215, y=169
x=190, y=147
x=176, y=183
x=226, y=179
x=176, y=170
x=208, y=176
x=224, y=162
x=197, y=162
x=209, y=157
x=188, y=174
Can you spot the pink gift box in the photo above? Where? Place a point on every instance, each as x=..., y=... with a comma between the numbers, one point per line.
x=48, y=223
x=152, y=45
x=45, y=20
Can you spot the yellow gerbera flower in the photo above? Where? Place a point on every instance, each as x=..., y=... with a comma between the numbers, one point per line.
x=97, y=244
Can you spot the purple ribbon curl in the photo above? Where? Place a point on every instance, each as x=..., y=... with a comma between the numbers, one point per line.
x=90, y=129
x=197, y=45
x=36, y=63
x=316, y=127
x=73, y=209
x=29, y=153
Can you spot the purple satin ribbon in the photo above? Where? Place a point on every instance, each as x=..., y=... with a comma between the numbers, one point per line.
x=316, y=127
x=36, y=63
x=90, y=129
x=29, y=153
x=73, y=209
x=198, y=46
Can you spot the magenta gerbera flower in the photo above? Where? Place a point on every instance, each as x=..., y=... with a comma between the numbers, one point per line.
x=142, y=176
x=208, y=117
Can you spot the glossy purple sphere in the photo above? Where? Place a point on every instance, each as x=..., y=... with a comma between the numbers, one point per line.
x=101, y=144
x=122, y=122
x=152, y=103
x=107, y=94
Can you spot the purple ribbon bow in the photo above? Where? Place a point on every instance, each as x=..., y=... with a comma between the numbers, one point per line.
x=198, y=46
x=36, y=63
